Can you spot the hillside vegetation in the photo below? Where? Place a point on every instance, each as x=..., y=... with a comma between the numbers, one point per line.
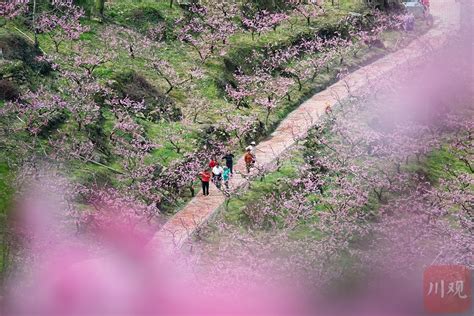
x=130, y=99
x=187, y=80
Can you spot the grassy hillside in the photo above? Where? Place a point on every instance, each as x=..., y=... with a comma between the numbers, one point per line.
x=194, y=109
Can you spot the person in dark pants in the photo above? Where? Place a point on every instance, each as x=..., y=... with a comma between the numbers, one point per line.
x=229, y=161
x=205, y=178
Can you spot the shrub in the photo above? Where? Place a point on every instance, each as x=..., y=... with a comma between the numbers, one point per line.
x=136, y=87
x=15, y=47
x=141, y=19
x=146, y=14
x=54, y=122
x=8, y=90
x=269, y=5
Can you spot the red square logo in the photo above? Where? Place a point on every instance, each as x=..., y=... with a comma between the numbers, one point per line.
x=447, y=289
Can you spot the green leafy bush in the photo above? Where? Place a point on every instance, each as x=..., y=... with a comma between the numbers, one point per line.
x=16, y=47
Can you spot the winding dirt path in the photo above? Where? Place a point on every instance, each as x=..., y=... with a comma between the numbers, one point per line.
x=183, y=224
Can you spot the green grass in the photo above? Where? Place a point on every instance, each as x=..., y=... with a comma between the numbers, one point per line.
x=5, y=188
x=141, y=14
x=6, y=194
x=259, y=188
x=437, y=161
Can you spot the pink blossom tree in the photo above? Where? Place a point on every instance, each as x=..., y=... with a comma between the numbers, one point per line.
x=262, y=21
x=125, y=39
x=166, y=71
x=239, y=126
x=308, y=9
x=35, y=110
x=62, y=24
x=206, y=30
x=13, y=8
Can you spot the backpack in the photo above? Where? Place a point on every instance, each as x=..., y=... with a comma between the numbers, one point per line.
x=248, y=158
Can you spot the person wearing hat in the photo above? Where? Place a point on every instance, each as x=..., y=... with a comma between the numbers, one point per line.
x=253, y=150
x=249, y=159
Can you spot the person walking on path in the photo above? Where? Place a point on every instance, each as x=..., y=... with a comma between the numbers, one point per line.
x=226, y=177
x=229, y=162
x=213, y=162
x=253, y=151
x=217, y=172
x=253, y=148
x=249, y=159
x=205, y=178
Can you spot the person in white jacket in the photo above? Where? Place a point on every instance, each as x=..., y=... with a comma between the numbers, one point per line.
x=217, y=172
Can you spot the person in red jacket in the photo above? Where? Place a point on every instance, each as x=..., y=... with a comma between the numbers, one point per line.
x=249, y=160
x=213, y=163
x=205, y=178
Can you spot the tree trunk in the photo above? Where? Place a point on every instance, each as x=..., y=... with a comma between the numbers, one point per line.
x=56, y=46
x=35, y=31
x=101, y=7
x=266, y=118
x=379, y=194
x=170, y=88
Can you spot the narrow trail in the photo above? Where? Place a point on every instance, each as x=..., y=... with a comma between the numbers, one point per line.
x=183, y=224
